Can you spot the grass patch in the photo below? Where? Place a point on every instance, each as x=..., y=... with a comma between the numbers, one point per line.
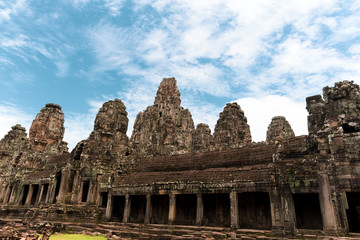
x=76, y=237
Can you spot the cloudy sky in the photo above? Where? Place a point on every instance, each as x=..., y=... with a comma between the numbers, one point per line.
x=266, y=55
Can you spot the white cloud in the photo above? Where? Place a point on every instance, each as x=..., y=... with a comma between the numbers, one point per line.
x=202, y=112
x=111, y=46
x=114, y=6
x=10, y=115
x=259, y=112
x=9, y=9
x=231, y=48
x=355, y=48
x=78, y=127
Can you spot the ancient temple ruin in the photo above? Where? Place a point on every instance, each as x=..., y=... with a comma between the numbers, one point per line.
x=169, y=172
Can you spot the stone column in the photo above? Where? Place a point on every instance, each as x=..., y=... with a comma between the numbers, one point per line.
x=148, y=209
x=19, y=199
x=7, y=194
x=2, y=191
x=127, y=208
x=326, y=204
x=109, y=206
x=75, y=189
x=90, y=196
x=234, y=210
x=52, y=188
x=13, y=194
x=277, y=211
x=199, y=209
x=64, y=183
x=288, y=208
x=49, y=193
x=30, y=193
x=172, y=208
x=97, y=192
x=41, y=194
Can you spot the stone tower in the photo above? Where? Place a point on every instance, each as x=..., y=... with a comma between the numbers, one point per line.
x=231, y=129
x=279, y=128
x=165, y=127
x=47, y=130
x=108, y=142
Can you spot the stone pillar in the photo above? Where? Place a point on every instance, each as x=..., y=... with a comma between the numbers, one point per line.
x=64, y=183
x=13, y=194
x=127, y=208
x=234, y=210
x=7, y=194
x=79, y=196
x=19, y=199
x=148, y=209
x=199, y=209
x=326, y=204
x=90, y=196
x=30, y=193
x=97, y=192
x=2, y=191
x=49, y=193
x=277, y=211
x=41, y=194
x=109, y=206
x=172, y=208
x=75, y=189
x=288, y=208
x=343, y=205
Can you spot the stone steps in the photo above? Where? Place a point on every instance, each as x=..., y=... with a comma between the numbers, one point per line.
x=165, y=232
x=159, y=231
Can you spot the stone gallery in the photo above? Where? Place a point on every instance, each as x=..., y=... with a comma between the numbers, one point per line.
x=171, y=173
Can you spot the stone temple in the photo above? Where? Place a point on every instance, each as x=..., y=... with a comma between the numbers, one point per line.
x=170, y=173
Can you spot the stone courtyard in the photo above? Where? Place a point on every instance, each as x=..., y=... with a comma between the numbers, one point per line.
x=172, y=180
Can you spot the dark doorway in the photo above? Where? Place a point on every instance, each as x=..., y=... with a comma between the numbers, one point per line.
x=104, y=199
x=58, y=182
x=353, y=213
x=45, y=192
x=34, y=194
x=160, y=209
x=216, y=209
x=137, y=209
x=186, y=209
x=254, y=210
x=25, y=193
x=85, y=191
x=118, y=208
x=307, y=210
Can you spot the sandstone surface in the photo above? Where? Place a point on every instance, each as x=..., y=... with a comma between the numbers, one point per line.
x=202, y=138
x=279, y=128
x=232, y=129
x=165, y=127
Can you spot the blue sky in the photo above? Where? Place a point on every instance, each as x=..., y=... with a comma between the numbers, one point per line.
x=266, y=55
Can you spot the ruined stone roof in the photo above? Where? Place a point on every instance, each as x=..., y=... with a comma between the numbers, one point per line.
x=241, y=164
x=255, y=173
x=247, y=155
